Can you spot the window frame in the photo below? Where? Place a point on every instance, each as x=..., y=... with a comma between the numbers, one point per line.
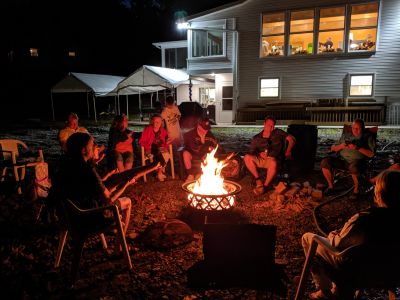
x=373, y=82
x=316, y=31
x=269, y=97
x=226, y=98
x=209, y=25
x=290, y=33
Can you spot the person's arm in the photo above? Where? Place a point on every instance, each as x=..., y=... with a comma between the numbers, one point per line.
x=115, y=193
x=291, y=141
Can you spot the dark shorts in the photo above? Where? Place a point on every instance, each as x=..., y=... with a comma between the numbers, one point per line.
x=337, y=163
x=126, y=157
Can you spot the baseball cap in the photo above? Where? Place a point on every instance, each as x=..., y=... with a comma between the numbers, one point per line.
x=205, y=123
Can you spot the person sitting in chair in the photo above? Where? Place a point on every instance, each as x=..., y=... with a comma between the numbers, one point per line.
x=353, y=150
x=197, y=143
x=154, y=140
x=71, y=126
x=266, y=150
x=78, y=180
x=373, y=226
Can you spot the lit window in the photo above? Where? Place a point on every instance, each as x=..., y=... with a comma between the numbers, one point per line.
x=331, y=30
x=301, y=32
x=269, y=87
x=363, y=27
x=207, y=96
x=273, y=34
x=71, y=53
x=34, y=52
x=361, y=85
x=227, y=97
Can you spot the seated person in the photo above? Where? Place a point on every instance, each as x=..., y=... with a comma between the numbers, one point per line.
x=374, y=226
x=197, y=143
x=354, y=149
x=71, y=127
x=154, y=140
x=78, y=180
x=266, y=151
x=120, y=144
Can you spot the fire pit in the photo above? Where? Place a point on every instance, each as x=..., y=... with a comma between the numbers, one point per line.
x=213, y=202
x=211, y=191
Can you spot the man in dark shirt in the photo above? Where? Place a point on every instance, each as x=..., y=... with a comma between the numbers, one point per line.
x=198, y=142
x=354, y=149
x=267, y=150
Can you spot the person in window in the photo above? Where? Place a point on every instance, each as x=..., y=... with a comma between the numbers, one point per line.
x=373, y=226
x=266, y=151
x=353, y=150
x=154, y=140
x=171, y=116
x=197, y=143
x=120, y=144
x=78, y=180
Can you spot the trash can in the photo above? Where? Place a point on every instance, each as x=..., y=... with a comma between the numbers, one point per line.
x=305, y=150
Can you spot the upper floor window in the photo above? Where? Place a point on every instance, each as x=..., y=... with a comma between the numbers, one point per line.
x=208, y=39
x=361, y=85
x=273, y=34
x=269, y=87
x=338, y=29
x=363, y=27
x=34, y=52
x=71, y=53
x=301, y=32
x=331, y=29
x=175, y=58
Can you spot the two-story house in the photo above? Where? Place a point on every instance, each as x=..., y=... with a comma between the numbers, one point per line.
x=324, y=61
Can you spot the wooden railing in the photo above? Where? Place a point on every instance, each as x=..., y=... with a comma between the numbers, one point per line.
x=337, y=115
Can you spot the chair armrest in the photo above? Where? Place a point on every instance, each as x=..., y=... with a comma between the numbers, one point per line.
x=89, y=211
x=331, y=249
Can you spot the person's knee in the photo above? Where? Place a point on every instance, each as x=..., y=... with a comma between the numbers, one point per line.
x=355, y=168
x=306, y=240
x=248, y=159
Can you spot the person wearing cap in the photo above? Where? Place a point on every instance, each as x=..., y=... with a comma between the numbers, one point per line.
x=197, y=143
x=267, y=150
x=70, y=128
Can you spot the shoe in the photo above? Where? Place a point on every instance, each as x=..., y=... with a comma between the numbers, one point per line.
x=161, y=177
x=329, y=192
x=259, y=190
x=321, y=295
x=190, y=178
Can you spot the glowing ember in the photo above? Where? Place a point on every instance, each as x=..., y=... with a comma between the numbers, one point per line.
x=210, y=192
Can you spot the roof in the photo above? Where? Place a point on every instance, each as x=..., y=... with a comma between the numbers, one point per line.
x=100, y=85
x=216, y=9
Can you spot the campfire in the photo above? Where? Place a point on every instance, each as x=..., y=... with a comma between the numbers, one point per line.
x=211, y=191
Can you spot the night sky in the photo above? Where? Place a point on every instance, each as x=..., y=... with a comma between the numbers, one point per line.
x=109, y=36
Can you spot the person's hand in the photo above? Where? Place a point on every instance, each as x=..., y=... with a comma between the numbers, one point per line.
x=332, y=234
x=352, y=146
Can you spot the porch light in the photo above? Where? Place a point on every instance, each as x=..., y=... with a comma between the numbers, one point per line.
x=182, y=25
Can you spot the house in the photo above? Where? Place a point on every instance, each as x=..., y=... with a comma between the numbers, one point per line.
x=311, y=61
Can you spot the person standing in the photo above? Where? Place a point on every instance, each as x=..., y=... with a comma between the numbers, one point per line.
x=171, y=116
x=267, y=150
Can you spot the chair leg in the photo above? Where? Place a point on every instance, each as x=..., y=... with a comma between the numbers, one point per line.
x=122, y=240
x=171, y=159
x=17, y=179
x=3, y=174
x=103, y=240
x=61, y=243
x=305, y=271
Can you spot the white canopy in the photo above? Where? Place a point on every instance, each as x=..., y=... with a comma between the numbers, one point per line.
x=100, y=85
x=148, y=79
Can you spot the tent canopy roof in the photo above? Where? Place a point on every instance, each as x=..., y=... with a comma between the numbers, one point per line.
x=101, y=85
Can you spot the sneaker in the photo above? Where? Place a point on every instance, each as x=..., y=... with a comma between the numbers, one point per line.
x=161, y=176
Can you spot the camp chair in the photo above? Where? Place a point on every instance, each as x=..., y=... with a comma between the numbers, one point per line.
x=150, y=158
x=82, y=223
x=362, y=267
x=15, y=157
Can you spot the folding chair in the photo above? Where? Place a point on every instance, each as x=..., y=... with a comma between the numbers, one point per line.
x=150, y=158
x=15, y=158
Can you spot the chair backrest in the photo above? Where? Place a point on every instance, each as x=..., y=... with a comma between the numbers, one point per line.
x=12, y=146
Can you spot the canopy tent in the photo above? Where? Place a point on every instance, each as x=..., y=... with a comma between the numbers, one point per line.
x=99, y=85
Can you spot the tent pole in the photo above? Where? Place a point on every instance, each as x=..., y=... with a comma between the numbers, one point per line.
x=119, y=107
x=127, y=108
x=115, y=104
x=52, y=106
x=88, y=107
x=140, y=107
x=94, y=108
x=151, y=100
